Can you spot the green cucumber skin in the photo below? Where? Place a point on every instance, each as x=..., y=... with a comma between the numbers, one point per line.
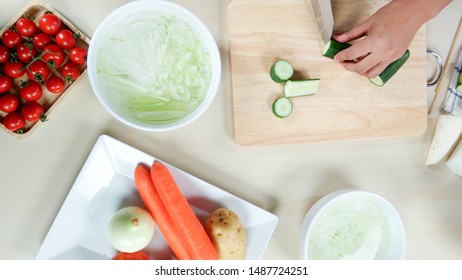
x=273, y=74
x=391, y=70
x=274, y=77
x=334, y=48
x=276, y=110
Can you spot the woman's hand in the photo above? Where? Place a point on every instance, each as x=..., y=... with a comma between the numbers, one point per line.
x=385, y=36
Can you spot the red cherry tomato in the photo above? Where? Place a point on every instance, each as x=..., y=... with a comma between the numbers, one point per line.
x=78, y=55
x=70, y=71
x=11, y=39
x=38, y=71
x=41, y=40
x=53, y=55
x=33, y=112
x=26, y=52
x=14, y=121
x=65, y=39
x=9, y=102
x=14, y=69
x=50, y=24
x=4, y=54
x=31, y=91
x=55, y=84
x=140, y=255
x=26, y=27
x=5, y=83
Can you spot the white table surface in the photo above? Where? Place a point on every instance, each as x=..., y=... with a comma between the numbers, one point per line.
x=37, y=172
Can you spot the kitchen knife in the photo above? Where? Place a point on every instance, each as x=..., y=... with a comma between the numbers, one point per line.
x=324, y=18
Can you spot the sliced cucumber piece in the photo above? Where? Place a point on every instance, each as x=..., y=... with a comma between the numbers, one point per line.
x=281, y=71
x=333, y=47
x=282, y=107
x=301, y=87
x=460, y=78
x=391, y=70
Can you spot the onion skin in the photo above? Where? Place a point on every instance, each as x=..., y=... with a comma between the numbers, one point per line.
x=131, y=229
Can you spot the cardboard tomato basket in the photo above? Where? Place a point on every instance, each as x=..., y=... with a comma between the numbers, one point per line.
x=34, y=10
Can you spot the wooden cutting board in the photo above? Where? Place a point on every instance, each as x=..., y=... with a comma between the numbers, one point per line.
x=346, y=106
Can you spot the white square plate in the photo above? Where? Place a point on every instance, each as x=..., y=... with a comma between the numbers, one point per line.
x=105, y=184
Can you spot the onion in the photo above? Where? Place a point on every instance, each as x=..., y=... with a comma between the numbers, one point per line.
x=131, y=229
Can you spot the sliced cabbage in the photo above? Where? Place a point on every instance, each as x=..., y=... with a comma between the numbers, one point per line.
x=153, y=62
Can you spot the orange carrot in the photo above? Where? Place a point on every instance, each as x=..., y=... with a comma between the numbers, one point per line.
x=187, y=224
x=160, y=215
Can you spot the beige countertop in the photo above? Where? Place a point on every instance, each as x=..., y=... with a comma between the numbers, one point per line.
x=37, y=172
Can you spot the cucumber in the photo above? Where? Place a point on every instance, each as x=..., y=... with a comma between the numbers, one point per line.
x=282, y=107
x=391, y=70
x=300, y=87
x=281, y=71
x=333, y=47
x=460, y=78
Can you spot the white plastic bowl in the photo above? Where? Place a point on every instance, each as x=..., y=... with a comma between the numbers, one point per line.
x=396, y=241
x=180, y=13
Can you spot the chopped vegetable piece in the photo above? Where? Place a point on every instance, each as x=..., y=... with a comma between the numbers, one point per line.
x=333, y=47
x=282, y=107
x=459, y=88
x=301, y=87
x=281, y=71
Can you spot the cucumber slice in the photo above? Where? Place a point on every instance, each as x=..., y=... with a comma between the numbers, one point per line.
x=301, y=87
x=333, y=47
x=281, y=71
x=282, y=107
x=460, y=78
x=391, y=70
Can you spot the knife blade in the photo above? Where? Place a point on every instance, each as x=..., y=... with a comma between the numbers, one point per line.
x=324, y=18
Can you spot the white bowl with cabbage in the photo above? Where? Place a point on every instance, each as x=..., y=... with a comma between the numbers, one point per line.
x=352, y=225
x=154, y=65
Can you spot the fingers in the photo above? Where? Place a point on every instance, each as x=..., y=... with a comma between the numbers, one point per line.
x=355, y=33
x=354, y=53
x=370, y=66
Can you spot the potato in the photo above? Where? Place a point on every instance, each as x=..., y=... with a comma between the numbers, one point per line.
x=227, y=234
